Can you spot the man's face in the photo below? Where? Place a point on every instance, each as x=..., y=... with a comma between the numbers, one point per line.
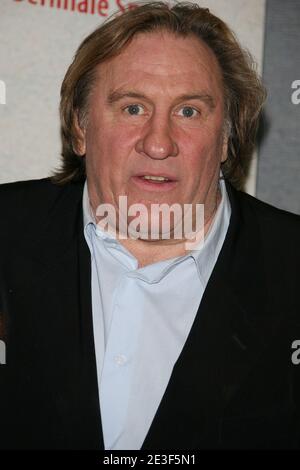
x=157, y=109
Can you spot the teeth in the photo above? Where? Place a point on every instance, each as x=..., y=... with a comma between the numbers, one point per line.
x=156, y=178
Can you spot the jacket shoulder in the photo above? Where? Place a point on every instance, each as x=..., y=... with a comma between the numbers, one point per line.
x=279, y=229
x=31, y=200
x=27, y=206
x=31, y=190
x=268, y=214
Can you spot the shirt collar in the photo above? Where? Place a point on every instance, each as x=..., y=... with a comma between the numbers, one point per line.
x=88, y=216
x=205, y=257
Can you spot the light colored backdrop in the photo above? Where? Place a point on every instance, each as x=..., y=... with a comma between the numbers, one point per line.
x=279, y=155
x=37, y=44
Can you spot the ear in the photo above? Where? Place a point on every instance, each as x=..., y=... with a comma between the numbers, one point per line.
x=79, y=143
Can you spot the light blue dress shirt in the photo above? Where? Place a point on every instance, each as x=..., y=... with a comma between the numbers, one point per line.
x=141, y=319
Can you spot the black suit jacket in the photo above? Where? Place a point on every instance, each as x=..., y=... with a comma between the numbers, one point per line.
x=234, y=384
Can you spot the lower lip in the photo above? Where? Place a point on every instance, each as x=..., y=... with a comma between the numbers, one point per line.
x=148, y=185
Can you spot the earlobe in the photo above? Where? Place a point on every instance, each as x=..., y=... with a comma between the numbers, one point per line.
x=79, y=142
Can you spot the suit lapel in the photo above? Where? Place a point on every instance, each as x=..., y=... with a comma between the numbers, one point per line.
x=51, y=344
x=228, y=335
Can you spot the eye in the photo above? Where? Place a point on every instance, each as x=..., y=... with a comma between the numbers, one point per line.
x=188, y=112
x=134, y=109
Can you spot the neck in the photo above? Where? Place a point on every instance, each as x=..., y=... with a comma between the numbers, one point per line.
x=152, y=251
x=148, y=251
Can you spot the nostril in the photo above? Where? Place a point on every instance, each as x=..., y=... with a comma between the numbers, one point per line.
x=157, y=148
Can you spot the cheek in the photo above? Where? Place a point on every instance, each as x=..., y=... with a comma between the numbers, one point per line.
x=114, y=138
x=123, y=135
x=202, y=156
x=207, y=141
x=108, y=155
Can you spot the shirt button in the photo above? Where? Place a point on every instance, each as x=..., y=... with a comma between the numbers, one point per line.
x=120, y=359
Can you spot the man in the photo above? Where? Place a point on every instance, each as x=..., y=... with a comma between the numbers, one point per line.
x=138, y=342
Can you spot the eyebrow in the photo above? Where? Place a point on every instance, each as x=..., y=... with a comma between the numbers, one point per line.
x=115, y=96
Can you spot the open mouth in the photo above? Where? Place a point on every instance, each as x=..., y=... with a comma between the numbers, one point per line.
x=156, y=179
x=155, y=182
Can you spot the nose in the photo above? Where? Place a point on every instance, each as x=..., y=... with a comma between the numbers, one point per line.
x=157, y=141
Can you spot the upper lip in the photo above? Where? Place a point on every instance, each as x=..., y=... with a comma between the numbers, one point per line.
x=150, y=173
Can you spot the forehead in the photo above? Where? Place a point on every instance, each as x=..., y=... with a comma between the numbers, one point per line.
x=163, y=61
